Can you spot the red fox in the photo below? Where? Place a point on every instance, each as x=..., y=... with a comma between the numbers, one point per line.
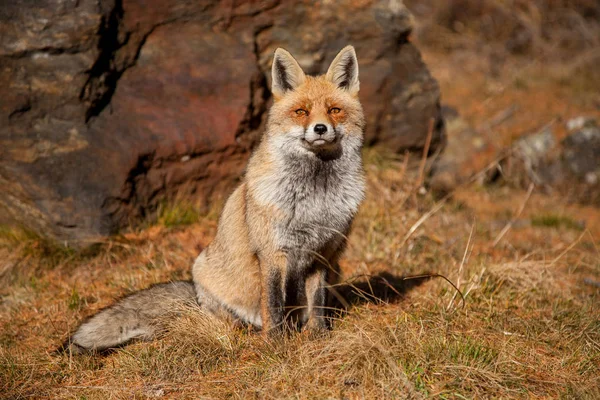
x=283, y=229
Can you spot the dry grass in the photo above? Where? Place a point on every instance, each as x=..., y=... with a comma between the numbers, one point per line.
x=530, y=327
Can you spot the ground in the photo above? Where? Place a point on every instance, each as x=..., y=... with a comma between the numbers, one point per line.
x=528, y=265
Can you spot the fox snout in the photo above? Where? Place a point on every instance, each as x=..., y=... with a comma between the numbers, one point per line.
x=320, y=134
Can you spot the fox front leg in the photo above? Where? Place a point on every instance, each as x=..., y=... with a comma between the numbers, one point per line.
x=272, y=301
x=316, y=295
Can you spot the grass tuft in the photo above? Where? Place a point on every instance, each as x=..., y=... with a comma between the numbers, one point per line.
x=30, y=243
x=176, y=214
x=556, y=221
x=75, y=300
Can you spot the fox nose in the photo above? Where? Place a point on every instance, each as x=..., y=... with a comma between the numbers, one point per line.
x=320, y=129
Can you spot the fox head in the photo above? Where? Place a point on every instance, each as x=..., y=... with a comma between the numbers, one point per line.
x=315, y=116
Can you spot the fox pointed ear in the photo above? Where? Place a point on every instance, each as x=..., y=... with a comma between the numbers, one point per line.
x=343, y=70
x=286, y=73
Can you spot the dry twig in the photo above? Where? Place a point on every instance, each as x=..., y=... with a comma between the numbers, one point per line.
x=512, y=221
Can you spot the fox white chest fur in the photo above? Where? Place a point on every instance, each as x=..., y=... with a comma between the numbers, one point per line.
x=318, y=198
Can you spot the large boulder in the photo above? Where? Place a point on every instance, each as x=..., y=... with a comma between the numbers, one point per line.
x=110, y=107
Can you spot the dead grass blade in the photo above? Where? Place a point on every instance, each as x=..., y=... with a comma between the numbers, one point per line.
x=466, y=254
x=438, y=206
x=421, y=177
x=516, y=217
x=569, y=248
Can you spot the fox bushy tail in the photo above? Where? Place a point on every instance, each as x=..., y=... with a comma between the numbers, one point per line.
x=138, y=316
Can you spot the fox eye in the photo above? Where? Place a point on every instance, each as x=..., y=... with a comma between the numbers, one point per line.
x=334, y=110
x=301, y=113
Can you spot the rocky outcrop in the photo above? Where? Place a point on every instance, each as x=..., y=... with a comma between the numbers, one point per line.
x=570, y=167
x=108, y=107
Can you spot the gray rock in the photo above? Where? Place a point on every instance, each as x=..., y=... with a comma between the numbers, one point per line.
x=581, y=153
x=571, y=167
x=536, y=146
x=579, y=123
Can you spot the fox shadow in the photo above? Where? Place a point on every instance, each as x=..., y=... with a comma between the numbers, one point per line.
x=377, y=289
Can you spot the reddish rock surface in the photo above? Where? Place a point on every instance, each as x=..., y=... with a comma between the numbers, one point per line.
x=110, y=107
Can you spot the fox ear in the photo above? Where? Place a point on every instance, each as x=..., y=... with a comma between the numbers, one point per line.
x=286, y=73
x=343, y=71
